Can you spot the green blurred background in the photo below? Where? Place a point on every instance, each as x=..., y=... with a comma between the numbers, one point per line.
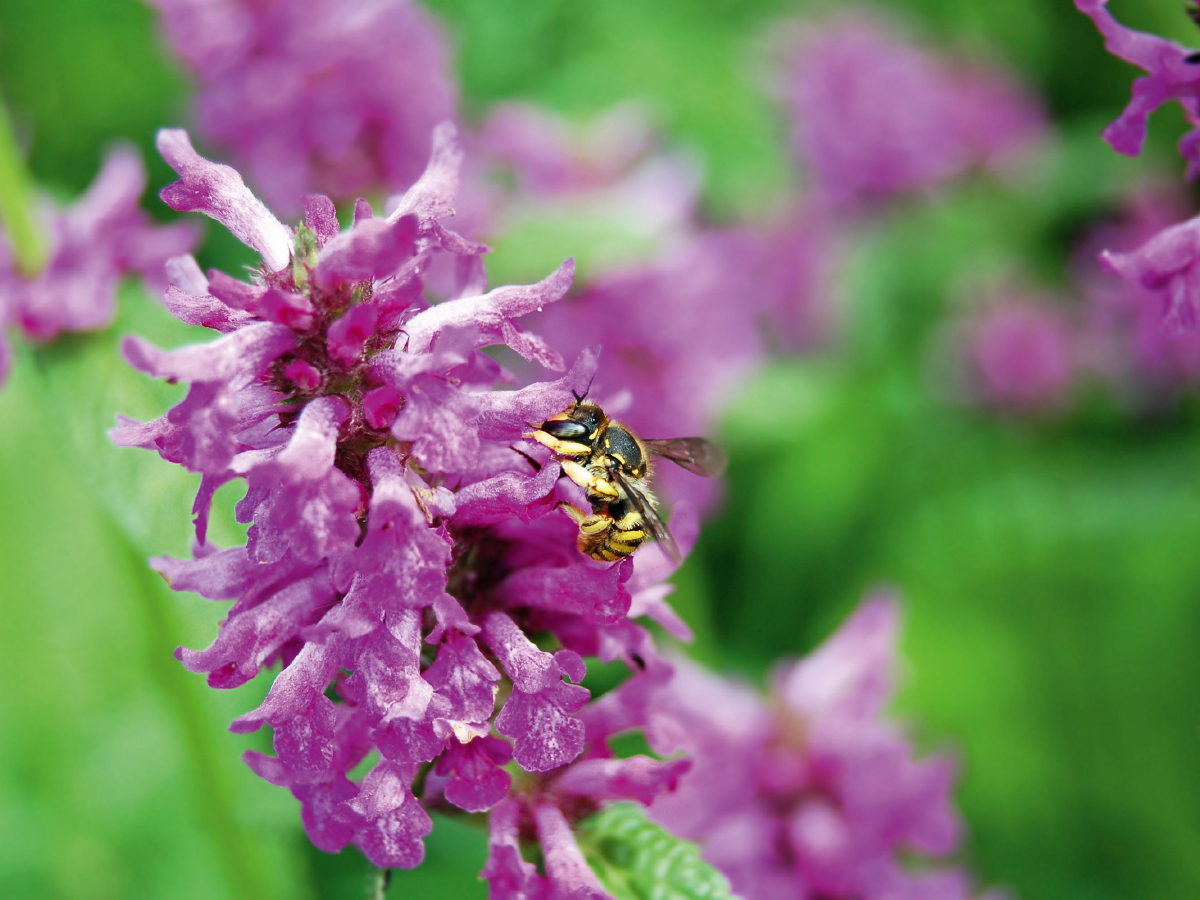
x=1050, y=571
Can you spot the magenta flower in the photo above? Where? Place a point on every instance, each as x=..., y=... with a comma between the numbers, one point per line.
x=1167, y=268
x=403, y=543
x=1020, y=356
x=1125, y=339
x=1173, y=73
x=92, y=245
x=873, y=116
x=812, y=792
x=315, y=95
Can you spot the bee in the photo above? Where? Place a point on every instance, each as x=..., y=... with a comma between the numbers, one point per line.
x=612, y=465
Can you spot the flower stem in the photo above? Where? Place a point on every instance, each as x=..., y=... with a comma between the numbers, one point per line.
x=383, y=877
x=15, y=197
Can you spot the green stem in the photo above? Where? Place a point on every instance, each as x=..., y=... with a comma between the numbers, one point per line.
x=383, y=877
x=15, y=203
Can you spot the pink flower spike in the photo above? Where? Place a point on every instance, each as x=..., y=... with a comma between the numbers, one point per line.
x=810, y=792
x=874, y=115
x=397, y=545
x=91, y=245
x=219, y=192
x=309, y=95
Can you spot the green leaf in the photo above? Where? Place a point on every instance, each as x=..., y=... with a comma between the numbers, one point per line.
x=638, y=860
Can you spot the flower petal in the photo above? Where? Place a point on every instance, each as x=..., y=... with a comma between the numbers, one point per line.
x=219, y=192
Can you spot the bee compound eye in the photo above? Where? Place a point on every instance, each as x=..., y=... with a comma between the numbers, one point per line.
x=564, y=429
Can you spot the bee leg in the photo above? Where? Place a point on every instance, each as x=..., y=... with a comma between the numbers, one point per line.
x=577, y=515
x=598, y=490
x=558, y=447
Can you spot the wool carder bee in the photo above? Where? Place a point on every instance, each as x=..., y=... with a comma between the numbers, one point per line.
x=612, y=465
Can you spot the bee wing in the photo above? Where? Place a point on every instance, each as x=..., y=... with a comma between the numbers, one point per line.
x=654, y=523
x=696, y=454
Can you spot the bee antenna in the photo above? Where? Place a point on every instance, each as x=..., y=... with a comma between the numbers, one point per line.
x=579, y=398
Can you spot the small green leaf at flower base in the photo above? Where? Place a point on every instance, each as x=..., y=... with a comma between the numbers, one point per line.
x=638, y=860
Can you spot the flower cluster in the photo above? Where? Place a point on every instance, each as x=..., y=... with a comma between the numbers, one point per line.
x=873, y=116
x=315, y=96
x=1166, y=268
x=403, y=550
x=809, y=793
x=1172, y=73
x=91, y=245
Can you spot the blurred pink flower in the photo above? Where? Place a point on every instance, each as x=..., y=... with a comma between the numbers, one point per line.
x=873, y=115
x=92, y=243
x=1020, y=356
x=315, y=95
x=810, y=792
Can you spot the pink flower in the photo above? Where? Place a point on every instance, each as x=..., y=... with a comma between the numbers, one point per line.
x=810, y=792
x=1020, y=356
x=873, y=115
x=315, y=95
x=1172, y=74
x=1126, y=341
x=92, y=244
x=403, y=546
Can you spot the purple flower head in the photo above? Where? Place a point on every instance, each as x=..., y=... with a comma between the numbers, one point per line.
x=1019, y=354
x=874, y=116
x=315, y=96
x=810, y=792
x=93, y=243
x=1172, y=73
x=404, y=548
